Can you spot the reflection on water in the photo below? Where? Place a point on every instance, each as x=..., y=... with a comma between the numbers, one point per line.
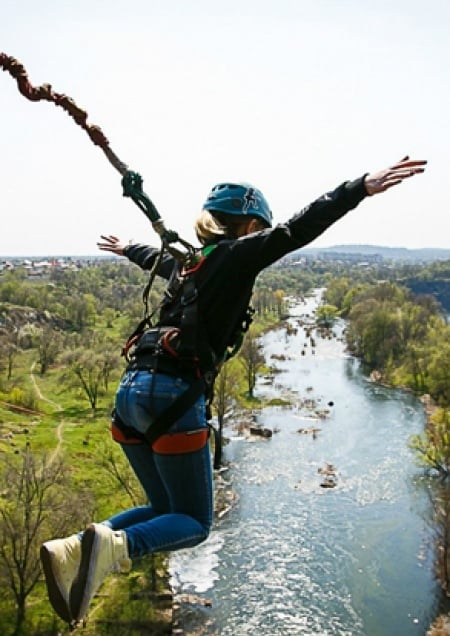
x=295, y=558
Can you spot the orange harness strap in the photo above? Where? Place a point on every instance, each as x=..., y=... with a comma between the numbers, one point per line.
x=118, y=436
x=179, y=443
x=168, y=444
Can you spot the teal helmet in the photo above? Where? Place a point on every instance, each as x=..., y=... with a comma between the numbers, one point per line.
x=239, y=199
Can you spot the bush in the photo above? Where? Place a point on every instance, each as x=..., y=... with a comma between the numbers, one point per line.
x=20, y=397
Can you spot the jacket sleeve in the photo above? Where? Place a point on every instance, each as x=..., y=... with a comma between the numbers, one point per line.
x=256, y=251
x=145, y=256
x=312, y=221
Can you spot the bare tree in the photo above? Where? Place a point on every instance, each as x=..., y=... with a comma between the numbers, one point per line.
x=89, y=371
x=116, y=465
x=8, y=353
x=118, y=468
x=111, y=361
x=36, y=504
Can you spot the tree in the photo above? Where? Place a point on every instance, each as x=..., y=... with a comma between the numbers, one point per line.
x=414, y=363
x=34, y=507
x=279, y=300
x=89, y=371
x=225, y=388
x=440, y=502
x=337, y=289
x=326, y=316
x=27, y=335
x=109, y=315
x=438, y=370
x=8, y=353
x=110, y=362
x=119, y=469
x=251, y=358
x=49, y=344
x=262, y=299
x=81, y=310
x=373, y=332
x=432, y=447
x=433, y=451
x=121, y=473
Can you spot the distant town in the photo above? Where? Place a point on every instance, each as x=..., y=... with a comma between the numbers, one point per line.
x=364, y=255
x=39, y=266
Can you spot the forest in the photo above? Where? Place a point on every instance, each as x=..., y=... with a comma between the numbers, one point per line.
x=61, y=337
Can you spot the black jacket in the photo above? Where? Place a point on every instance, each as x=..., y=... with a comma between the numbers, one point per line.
x=225, y=281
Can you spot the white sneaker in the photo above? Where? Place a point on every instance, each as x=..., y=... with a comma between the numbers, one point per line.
x=102, y=551
x=60, y=560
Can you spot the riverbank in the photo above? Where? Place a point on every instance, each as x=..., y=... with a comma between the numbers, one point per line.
x=292, y=557
x=429, y=405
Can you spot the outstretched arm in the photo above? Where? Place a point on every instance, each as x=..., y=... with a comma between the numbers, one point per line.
x=385, y=179
x=142, y=255
x=111, y=244
x=263, y=248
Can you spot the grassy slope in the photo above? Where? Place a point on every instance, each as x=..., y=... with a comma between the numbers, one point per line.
x=62, y=422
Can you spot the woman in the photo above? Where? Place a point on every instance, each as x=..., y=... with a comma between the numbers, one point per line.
x=202, y=317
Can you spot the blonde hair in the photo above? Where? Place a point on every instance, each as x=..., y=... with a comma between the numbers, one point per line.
x=211, y=227
x=208, y=229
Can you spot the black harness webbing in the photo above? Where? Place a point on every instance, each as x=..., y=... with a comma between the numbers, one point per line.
x=176, y=410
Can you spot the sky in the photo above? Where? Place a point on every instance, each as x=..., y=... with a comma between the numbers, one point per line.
x=292, y=96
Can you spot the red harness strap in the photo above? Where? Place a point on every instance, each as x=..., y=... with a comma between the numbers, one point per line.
x=179, y=443
x=168, y=444
x=118, y=436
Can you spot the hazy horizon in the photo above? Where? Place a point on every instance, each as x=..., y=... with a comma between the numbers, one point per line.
x=102, y=255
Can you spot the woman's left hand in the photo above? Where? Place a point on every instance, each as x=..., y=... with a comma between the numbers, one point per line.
x=385, y=179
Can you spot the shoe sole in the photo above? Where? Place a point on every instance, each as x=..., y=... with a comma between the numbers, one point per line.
x=80, y=592
x=57, y=600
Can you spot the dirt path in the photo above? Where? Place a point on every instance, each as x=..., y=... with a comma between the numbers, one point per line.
x=38, y=391
x=58, y=407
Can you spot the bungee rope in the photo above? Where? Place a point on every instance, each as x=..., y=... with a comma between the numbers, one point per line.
x=131, y=181
x=132, y=187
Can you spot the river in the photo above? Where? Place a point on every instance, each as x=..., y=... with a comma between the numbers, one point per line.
x=295, y=558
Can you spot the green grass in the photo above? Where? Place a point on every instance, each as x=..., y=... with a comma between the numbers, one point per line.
x=85, y=437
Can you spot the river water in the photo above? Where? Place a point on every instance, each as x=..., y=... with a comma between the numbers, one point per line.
x=294, y=558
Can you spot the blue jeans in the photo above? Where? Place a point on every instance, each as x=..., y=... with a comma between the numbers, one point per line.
x=179, y=487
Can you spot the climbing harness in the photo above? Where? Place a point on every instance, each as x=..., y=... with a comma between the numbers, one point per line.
x=181, y=351
x=178, y=351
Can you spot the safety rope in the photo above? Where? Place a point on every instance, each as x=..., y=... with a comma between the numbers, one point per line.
x=131, y=181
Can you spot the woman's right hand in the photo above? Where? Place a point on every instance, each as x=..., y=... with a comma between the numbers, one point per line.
x=111, y=244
